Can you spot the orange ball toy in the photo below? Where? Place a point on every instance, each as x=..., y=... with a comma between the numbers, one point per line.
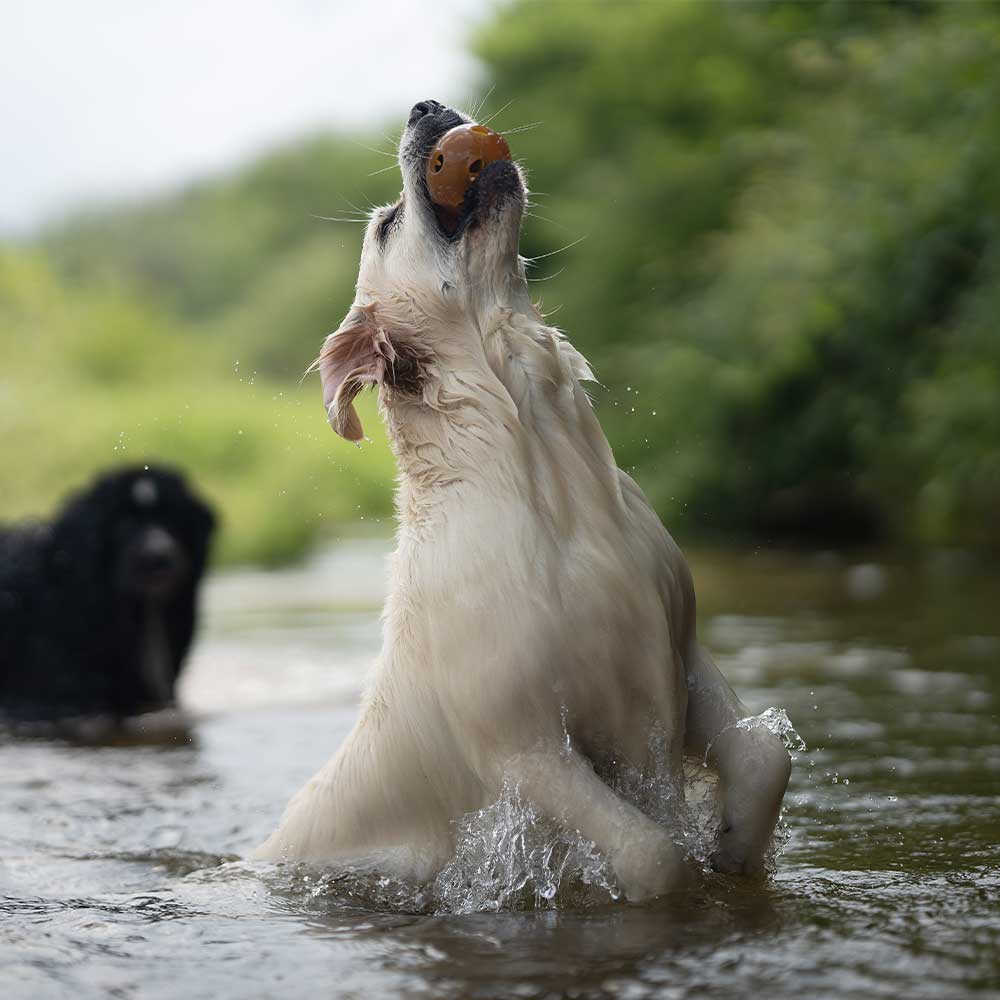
x=458, y=159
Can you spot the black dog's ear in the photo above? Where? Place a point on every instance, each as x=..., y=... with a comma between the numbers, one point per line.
x=202, y=514
x=187, y=511
x=83, y=514
x=364, y=351
x=184, y=499
x=201, y=519
x=80, y=538
x=209, y=519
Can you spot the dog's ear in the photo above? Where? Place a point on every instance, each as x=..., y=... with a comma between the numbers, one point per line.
x=363, y=352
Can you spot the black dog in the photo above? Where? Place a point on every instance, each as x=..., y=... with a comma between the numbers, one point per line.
x=97, y=608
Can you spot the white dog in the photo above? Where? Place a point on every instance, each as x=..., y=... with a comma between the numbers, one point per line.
x=540, y=623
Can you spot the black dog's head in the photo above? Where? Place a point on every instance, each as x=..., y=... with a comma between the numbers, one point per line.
x=145, y=532
x=133, y=547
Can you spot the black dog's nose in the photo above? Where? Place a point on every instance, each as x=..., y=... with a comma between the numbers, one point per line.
x=158, y=553
x=156, y=562
x=422, y=108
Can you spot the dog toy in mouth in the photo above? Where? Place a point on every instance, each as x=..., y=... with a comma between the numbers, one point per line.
x=458, y=159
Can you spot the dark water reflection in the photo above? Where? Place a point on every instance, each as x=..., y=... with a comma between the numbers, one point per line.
x=120, y=871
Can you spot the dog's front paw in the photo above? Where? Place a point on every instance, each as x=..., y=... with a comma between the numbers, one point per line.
x=756, y=771
x=734, y=856
x=646, y=870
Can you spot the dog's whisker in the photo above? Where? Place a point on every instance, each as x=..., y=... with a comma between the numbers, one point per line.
x=551, y=222
x=393, y=141
x=499, y=111
x=477, y=106
x=333, y=218
x=360, y=215
x=548, y=277
x=366, y=212
x=382, y=170
x=374, y=149
x=489, y=93
x=521, y=128
x=552, y=253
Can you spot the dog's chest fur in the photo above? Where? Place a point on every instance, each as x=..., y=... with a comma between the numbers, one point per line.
x=533, y=591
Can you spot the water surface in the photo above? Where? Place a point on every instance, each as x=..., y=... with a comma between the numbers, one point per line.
x=121, y=871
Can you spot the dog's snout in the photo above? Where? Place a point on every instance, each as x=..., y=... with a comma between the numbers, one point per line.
x=422, y=108
x=158, y=553
x=155, y=562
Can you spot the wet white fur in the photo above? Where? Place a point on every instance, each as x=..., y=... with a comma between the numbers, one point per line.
x=540, y=619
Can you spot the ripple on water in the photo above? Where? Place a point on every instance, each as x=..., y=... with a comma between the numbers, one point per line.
x=117, y=870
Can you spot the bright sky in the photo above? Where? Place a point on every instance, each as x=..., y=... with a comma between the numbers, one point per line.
x=100, y=98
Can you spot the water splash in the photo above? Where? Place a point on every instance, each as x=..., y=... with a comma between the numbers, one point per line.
x=509, y=856
x=776, y=720
x=702, y=812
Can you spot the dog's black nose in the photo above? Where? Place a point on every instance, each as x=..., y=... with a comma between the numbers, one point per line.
x=158, y=553
x=152, y=563
x=422, y=108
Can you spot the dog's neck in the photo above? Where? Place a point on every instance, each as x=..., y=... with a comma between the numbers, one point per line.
x=503, y=419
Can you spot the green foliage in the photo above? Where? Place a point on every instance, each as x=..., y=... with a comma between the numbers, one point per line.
x=791, y=212
x=202, y=251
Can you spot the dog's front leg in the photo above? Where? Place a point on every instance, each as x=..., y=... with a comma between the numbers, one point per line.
x=753, y=765
x=562, y=784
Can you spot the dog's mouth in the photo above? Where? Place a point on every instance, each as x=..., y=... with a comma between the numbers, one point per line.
x=155, y=565
x=462, y=170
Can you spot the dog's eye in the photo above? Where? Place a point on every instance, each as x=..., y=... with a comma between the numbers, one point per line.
x=385, y=226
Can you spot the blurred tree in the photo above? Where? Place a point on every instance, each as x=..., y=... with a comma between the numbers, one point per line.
x=792, y=214
x=252, y=259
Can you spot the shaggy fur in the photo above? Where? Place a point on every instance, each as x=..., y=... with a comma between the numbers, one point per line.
x=540, y=622
x=97, y=608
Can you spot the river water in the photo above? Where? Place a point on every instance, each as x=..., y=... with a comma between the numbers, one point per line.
x=121, y=870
